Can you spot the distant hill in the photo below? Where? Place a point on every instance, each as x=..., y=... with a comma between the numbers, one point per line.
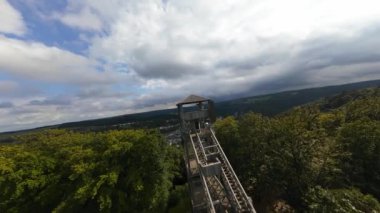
x=273, y=104
x=270, y=104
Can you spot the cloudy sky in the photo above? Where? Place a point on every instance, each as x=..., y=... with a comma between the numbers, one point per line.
x=69, y=60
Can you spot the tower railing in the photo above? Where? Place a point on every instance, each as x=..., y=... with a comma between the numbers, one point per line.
x=241, y=189
x=210, y=205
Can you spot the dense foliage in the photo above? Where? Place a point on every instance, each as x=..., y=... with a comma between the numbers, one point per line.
x=64, y=171
x=321, y=157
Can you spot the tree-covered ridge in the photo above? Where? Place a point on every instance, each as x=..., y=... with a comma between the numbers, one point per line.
x=320, y=157
x=270, y=104
x=64, y=171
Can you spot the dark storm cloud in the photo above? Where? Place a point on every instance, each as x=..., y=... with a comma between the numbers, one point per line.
x=101, y=92
x=6, y=105
x=154, y=99
x=151, y=63
x=330, y=51
x=314, y=58
x=320, y=61
x=22, y=110
x=246, y=64
x=48, y=102
x=265, y=58
x=166, y=69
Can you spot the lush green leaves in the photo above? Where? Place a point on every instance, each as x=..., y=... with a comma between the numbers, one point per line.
x=333, y=144
x=63, y=171
x=362, y=139
x=340, y=200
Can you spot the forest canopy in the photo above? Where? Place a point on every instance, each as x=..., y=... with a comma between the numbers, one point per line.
x=320, y=157
x=65, y=171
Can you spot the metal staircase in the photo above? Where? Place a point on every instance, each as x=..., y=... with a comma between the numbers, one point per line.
x=220, y=189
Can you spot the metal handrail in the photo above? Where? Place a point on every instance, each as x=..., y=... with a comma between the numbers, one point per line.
x=203, y=150
x=209, y=203
x=233, y=172
x=207, y=192
x=224, y=176
x=195, y=151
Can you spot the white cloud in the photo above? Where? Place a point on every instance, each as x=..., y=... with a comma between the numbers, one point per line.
x=28, y=114
x=34, y=60
x=220, y=48
x=305, y=18
x=10, y=19
x=192, y=37
x=155, y=52
x=90, y=15
x=85, y=19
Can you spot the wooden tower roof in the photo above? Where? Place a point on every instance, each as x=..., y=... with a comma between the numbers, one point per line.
x=192, y=99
